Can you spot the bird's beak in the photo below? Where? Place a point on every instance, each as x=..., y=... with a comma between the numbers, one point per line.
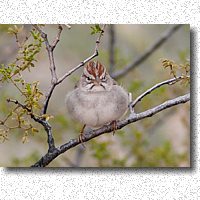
x=97, y=81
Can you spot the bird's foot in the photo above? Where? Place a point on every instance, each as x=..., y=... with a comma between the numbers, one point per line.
x=81, y=136
x=114, y=126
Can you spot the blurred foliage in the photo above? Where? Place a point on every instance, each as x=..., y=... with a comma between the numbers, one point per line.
x=131, y=147
x=162, y=155
x=4, y=27
x=25, y=161
x=12, y=73
x=140, y=152
x=101, y=152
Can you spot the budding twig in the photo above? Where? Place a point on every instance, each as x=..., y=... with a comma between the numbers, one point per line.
x=43, y=122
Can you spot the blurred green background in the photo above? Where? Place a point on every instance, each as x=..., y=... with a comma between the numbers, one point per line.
x=160, y=141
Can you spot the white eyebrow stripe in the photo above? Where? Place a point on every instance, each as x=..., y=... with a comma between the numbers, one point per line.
x=87, y=74
x=103, y=74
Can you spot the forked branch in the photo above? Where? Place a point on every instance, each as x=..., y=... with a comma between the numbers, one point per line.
x=55, y=81
x=40, y=120
x=86, y=60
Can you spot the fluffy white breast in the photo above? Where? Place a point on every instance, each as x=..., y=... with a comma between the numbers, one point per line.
x=97, y=108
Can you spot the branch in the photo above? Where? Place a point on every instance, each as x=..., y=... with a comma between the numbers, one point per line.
x=46, y=159
x=50, y=49
x=86, y=60
x=68, y=26
x=57, y=39
x=55, y=81
x=163, y=38
x=40, y=120
x=167, y=82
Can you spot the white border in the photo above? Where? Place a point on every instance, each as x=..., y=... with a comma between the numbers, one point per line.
x=96, y=183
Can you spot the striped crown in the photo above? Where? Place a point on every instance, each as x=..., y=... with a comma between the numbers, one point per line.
x=94, y=69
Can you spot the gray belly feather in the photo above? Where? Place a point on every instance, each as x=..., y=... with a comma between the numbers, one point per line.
x=96, y=108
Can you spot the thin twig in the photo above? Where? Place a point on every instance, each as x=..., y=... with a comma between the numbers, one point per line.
x=54, y=81
x=51, y=89
x=86, y=60
x=2, y=122
x=139, y=98
x=50, y=53
x=40, y=120
x=50, y=49
x=58, y=81
x=17, y=41
x=68, y=26
x=19, y=89
x=57, y=39
x=19, y=104
x=48, y=96
x=162, y=39
x=46, y=159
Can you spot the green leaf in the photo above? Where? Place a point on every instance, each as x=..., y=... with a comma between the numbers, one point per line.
x=34, y=130
x=28, y=88
x=95, y=29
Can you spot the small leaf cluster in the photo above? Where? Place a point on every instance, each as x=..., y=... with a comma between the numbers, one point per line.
x=140, y=152
x=15, y=29
x=33, y=95
x=30, y=92
x=95, y=29
x=17, y=118
x=26, y=57
x=176, y=70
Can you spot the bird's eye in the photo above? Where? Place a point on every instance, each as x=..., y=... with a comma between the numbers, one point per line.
x=88, y=79
x=103, y=79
